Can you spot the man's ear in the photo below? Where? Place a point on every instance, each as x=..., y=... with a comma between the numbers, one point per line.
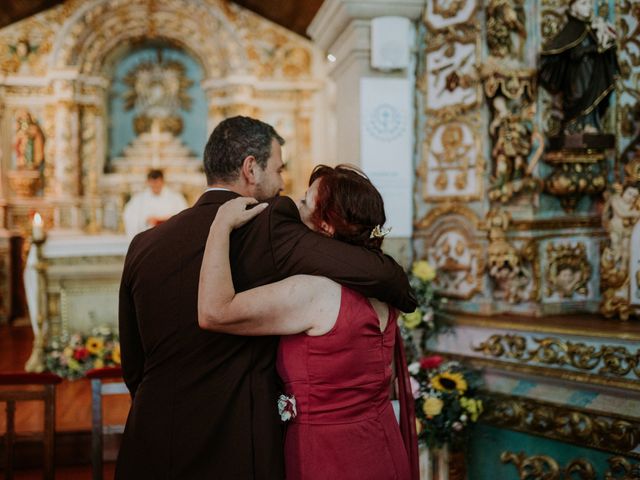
x=248, y=169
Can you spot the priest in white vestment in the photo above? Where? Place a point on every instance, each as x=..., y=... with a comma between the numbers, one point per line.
x=152, y=206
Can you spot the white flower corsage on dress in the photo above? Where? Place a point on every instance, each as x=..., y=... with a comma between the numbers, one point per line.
x=287, y=407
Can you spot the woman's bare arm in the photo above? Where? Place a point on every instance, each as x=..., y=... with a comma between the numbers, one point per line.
x=301, y=303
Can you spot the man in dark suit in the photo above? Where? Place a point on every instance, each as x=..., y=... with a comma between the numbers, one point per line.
x=204, y=404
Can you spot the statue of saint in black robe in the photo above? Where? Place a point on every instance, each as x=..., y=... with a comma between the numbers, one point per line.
x=582, y=69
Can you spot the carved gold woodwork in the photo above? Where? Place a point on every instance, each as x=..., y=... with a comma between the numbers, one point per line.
x=628, y=31
x=26, y=53
x=611, y=360
x=629, y=384
x=561, y=422
x=505, y=20
x=25, y=183
x=443, y=14
x=559, y=222
x=451, y=208
x=447, y=8
x=543, y=467
x=511, y=271
x=622, y=469
x=452, y=83
x=568, y=270
x=512, y=98
x=452, y=165
x=632, y=169
x=451, y=247
x=84, y=39
x=512, y=83
x=620, y=214
x=575, y=175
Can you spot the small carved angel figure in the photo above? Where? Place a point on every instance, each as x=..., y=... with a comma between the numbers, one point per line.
x=512, y=143
x=511, y=278
x=620, y=214
x=504, y=18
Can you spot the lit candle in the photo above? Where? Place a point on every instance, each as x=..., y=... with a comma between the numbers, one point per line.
x=37, y=227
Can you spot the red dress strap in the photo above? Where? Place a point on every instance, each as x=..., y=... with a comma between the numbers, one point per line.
x=407, y=410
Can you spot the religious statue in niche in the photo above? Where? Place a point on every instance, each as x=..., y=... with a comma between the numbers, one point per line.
x=580, y=64
x=28, y=143
x=512, y=279
x=27, y=175
x=513, y=136
x=506, y=22
x=568, y=271
x=158, y=91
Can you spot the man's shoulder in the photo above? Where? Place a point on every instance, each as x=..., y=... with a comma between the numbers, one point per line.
x=282, y=211
x=283, y=205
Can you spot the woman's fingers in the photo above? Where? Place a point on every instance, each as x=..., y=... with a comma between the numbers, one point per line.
x=249, y=213
x=236, y=213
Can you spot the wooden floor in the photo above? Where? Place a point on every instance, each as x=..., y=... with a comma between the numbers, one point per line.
x=73, y=403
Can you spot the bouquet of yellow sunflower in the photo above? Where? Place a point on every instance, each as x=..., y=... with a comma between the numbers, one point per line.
x=73, y=358
x=447, y=401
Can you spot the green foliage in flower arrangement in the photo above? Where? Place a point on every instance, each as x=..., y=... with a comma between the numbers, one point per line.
x=73, y=358
x=428, y=318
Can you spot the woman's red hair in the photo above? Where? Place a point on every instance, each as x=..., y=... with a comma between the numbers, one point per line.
x=348, y=201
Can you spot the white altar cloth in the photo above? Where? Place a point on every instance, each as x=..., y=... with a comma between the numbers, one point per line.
x=69, y=245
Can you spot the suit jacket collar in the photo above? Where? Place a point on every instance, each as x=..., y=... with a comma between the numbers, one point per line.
x=216, y=197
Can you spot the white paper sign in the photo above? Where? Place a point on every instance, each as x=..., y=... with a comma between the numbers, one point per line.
x=386, y=146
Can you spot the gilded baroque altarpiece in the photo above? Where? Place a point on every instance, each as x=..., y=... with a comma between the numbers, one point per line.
x=57, y=91
x=537, y=251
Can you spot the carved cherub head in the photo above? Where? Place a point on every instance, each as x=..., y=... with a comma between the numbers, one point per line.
x=630, y=196
x=452, y=136
x=23, y=48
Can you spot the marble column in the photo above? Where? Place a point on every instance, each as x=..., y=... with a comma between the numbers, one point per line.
x=342, y=29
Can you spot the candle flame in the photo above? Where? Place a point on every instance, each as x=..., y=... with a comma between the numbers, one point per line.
x=37, y=219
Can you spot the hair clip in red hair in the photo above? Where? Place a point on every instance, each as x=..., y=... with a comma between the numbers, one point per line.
x=379, y=232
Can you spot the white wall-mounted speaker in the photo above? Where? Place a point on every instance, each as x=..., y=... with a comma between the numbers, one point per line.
x=390, y=42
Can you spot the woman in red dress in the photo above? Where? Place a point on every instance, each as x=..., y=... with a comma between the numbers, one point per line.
x=335, y=357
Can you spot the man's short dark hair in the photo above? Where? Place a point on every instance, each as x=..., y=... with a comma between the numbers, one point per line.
x=231, y=142
x=155, y=174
